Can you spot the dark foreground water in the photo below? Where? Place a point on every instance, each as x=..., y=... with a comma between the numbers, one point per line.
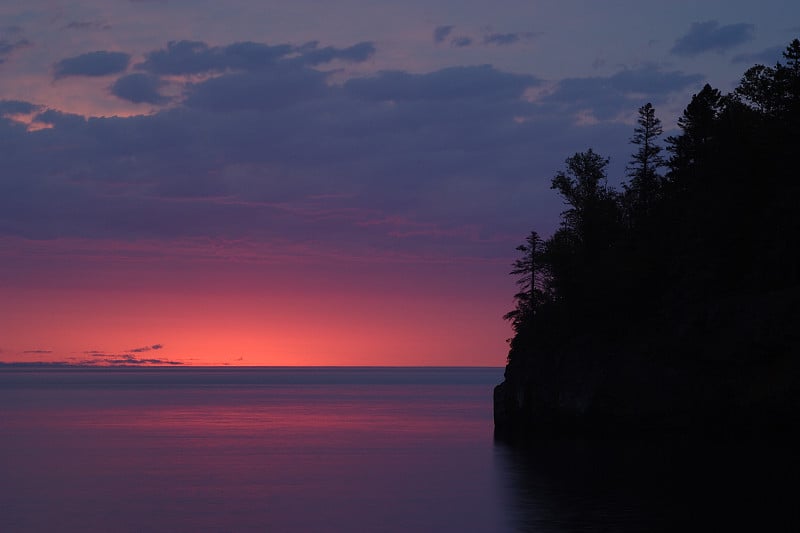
x=346, y=450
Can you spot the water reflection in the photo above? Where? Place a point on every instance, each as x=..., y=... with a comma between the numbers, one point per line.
x=336, y=450
x=627, y=485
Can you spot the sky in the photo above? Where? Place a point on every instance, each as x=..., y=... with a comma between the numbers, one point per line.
x=251, y=182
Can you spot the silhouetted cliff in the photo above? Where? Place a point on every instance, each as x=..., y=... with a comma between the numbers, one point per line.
x=673, y=304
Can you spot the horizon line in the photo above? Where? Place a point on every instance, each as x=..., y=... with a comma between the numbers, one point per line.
x=58, y=365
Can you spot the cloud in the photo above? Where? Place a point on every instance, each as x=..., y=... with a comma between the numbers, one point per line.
x=8, y=47
x=769, y=56
x=481, y=82
x=127, y=358
x=87, y=25
x=505, y=39
x=607, y=96
x=461, y=42
x=274, y=89
x=501, y=38
x=357, y=53
x=37, y=351
x=99, y=63
x=710, y=36
x=65, y=121
x=146, y=348
x=13, y=107
x=272, y=153
x=196, y=57
x=441, y=33
x=140, y=88
x=103, y=359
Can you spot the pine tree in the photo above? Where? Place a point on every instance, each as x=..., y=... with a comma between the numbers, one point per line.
x=531, y=271
x=692, y=147
x=642, y=192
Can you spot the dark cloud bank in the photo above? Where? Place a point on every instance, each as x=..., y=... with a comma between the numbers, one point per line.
x=268, y=146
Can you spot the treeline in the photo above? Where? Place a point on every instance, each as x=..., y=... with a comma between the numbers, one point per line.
x=705, y=215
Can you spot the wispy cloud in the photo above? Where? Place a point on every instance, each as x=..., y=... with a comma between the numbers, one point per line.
x=13, y=29
x=196, y=57
x=505, y=39
x=8, y=47
x=441, y=33
x=710, y=36
x=145, y=348
x=87, y=25
x=100, y=358
x=127, y=358
x=768, y=56
x=461, y=41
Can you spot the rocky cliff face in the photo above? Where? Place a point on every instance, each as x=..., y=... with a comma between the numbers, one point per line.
x=732, y=364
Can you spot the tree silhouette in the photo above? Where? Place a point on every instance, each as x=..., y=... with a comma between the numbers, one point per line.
x=688, y=282
x=579, y=253
x=531, y=272
x=773, y=91
x=644, y=188
x=697, y=125
x=593, y=205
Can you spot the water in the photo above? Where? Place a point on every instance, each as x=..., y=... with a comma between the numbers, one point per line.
x=248, y=450
x=344, y=450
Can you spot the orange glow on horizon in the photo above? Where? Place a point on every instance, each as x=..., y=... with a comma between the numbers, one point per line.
x=79, y=310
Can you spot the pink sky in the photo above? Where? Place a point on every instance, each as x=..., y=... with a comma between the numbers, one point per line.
x=297, y=183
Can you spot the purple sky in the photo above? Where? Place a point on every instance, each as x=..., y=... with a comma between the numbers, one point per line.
x=177, y=135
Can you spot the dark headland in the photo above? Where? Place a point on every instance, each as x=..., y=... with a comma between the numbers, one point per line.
x=673, y=304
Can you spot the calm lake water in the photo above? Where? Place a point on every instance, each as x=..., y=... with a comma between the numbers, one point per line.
x=343, y=449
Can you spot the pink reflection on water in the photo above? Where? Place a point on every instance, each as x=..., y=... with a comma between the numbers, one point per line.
x=247, y=458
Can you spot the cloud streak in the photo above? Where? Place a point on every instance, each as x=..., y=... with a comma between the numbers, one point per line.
x=92, y=64
x=441, y=33
x=768, y=56
x=608, y=96
x=146, y=348
x=710, y=36
x=127, y=360
x=506, y=39
x=8, y=47
x=87, y=25
x=196, y=57
x=98, y=358
x=129, y=357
